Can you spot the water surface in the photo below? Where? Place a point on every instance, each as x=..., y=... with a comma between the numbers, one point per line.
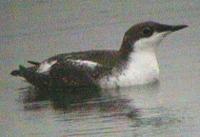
x=35, y=30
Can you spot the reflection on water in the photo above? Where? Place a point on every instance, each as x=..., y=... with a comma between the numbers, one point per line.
x=104, y=111
x=76, y=99
x=110, y=103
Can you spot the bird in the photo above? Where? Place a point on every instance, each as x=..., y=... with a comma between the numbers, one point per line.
x=135, y=63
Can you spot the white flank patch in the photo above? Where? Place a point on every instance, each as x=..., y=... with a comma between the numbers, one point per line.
x=45, y=66
x=87, y=63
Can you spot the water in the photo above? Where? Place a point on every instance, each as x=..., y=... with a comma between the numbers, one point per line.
x=35, y=30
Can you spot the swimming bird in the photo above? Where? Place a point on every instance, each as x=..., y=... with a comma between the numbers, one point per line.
x=135, y=62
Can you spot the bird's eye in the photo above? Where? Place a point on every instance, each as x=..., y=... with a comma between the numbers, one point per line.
x=147, y=31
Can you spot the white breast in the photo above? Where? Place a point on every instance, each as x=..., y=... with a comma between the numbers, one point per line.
x=142, y=68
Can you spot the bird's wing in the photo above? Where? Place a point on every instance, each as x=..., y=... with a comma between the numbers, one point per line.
x=80, y=68
x=76, y=72
x=103, y=57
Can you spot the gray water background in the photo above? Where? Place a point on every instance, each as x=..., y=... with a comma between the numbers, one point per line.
x=38, y=29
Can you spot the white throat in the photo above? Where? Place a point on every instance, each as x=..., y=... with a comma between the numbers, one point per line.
x=146, y=44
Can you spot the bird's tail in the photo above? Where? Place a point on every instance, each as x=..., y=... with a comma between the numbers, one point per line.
x=32, y=76
x=15, y=73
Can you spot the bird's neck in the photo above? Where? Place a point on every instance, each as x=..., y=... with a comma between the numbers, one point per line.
x=139, y=57
x=143, y=57
x=144, y=63
x=126, y=48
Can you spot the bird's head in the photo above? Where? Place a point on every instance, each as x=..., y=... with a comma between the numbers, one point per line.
x=147, y=35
